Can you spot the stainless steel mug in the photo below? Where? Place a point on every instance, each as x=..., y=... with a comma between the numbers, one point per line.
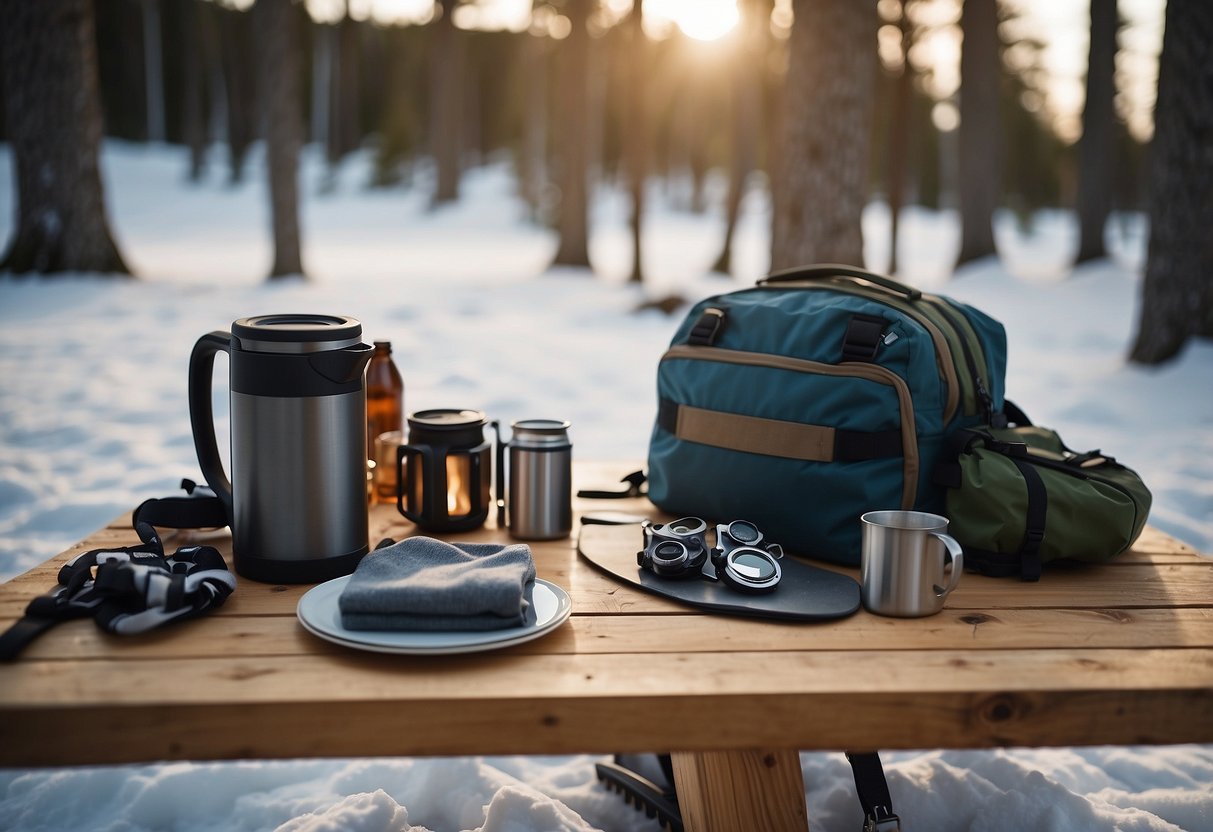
x=540, y=495
x=296, y=500
x=906, y=557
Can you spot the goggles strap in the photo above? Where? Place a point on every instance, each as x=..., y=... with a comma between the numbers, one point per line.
x=127, y=590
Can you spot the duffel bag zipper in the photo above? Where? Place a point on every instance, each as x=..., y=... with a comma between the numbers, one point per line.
x=870, y=372
x=964, y=329
x=976, y=398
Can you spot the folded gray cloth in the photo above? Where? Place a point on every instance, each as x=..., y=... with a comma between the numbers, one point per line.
x=425, y=584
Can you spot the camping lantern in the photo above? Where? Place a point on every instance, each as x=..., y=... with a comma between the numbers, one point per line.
x=443, y=473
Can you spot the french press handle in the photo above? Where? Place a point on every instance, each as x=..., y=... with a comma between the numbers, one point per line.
x=202, y=418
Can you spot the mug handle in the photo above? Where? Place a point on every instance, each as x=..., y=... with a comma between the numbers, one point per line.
x=404, y=485
x=956, y=556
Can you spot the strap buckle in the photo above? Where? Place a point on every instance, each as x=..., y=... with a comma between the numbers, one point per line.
x=705, y=330
x=882, y=819
x=863, y=337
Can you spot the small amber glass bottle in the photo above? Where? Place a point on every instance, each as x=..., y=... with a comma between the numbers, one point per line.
x=384, y=396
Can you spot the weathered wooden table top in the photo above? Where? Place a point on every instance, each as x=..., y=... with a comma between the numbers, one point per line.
x=1120, y=654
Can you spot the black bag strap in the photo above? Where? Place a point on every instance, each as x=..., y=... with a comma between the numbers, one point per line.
x=631, y=486
x=873, y=791
x=200, y=508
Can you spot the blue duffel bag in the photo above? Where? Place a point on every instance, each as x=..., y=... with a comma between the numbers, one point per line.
x=816, y=395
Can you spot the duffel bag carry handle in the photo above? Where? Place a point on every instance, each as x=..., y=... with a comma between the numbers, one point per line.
x=825, y=271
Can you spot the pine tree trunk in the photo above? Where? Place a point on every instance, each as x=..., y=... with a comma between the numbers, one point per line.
x=153, y=69
x=277, y=24
x=238, y=75
x=531, y=152
x=1177, y=294
x=636, y=132
x=979, y=168
x=746, y=92
x=899, y=137
x=53, y=117
x=193, y=85
x=1095, y=169
x=573, y=143
x=822, y=172
x=446, y=86
x=343, y=108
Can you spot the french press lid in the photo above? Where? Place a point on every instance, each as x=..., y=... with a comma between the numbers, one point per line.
x=296, y=333
x=450, y=427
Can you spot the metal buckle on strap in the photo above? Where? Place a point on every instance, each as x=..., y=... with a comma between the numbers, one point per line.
x=883, y=820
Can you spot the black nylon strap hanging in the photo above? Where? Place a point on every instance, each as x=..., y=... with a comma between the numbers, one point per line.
x=873, y=792
x=1034, y=523
x=198, y=509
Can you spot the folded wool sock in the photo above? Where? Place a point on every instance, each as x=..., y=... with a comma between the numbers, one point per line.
x=425, y=584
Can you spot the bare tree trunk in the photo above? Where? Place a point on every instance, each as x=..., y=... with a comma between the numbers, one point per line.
x=573, y=127
x=153, y=64
x=636, y=131
x=899, y=135
x=238, y=76
x=1095, y=170
x=979, y=171
x=446, y=87
x=277, y=24
x=1177, y=294
x=342, y=135
x=746, y=93
x=193, y=85
x=53, y=117
x=324, y=36
x=822, y=174
x=531, y=154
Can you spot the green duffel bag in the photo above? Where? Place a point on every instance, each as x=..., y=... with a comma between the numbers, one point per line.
x=1018, y=498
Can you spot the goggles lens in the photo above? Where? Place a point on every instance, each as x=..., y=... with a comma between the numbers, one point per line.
x=741, y=560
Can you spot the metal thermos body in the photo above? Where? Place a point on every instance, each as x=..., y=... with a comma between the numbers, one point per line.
x=296, y=499
x=540, y=500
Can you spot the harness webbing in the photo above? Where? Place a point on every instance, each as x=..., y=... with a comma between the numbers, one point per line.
x=127, y=590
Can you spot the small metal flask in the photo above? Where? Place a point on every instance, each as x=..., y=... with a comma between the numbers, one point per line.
x=539, y=500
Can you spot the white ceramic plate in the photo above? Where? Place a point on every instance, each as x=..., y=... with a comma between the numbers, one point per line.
x=319, y=614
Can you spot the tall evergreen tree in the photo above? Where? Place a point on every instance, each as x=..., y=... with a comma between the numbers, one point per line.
x=1177, y=293
x=1095, y=168
x=446, y=103
x=53, y=116
x=823, y=165
x=574, y=138
x=746, y=89
x=979, y=153
x=899, y=132
x=636, y=135
x=277, y=23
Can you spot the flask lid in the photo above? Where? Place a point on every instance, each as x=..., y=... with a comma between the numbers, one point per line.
x=296, y=333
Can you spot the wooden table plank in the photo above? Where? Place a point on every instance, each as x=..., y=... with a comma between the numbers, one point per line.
x=542, y=704
x=248, y=636
x=358, y=677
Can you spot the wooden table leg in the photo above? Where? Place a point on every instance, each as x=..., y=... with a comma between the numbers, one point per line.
x=732, y=790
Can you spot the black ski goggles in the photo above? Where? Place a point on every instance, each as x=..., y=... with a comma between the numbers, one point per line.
x=741, y=558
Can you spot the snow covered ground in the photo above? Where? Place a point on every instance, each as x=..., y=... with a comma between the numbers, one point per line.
x=93, y=419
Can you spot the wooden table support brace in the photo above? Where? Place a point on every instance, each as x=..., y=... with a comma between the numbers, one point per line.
x=725, y=791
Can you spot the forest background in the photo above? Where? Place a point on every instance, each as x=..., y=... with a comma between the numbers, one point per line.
x=820, y=102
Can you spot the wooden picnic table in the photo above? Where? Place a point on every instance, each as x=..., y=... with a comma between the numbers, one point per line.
x=1121, y=654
